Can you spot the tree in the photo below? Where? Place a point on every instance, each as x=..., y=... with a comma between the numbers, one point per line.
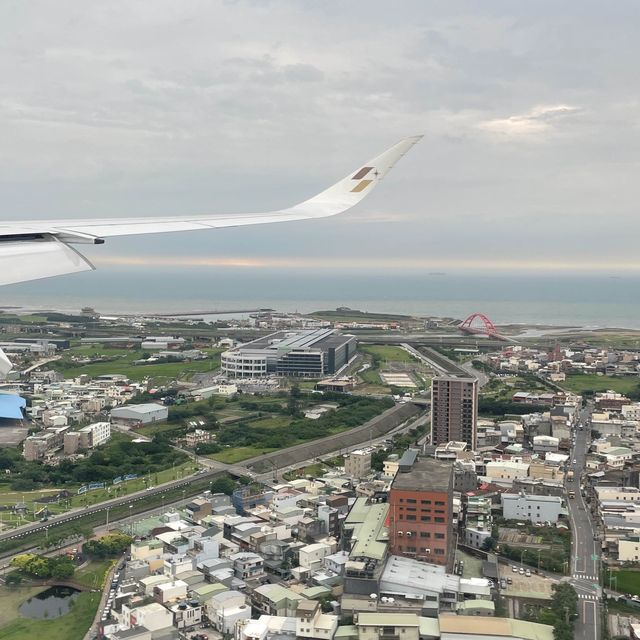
x=489, y=544
x=62, y=568
x=293, y=405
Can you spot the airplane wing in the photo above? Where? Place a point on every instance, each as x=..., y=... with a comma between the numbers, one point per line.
x=42, y=248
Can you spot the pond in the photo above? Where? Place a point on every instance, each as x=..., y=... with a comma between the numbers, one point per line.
x=52, y=603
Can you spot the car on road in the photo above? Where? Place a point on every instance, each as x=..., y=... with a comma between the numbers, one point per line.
x=509, y=580
x=503, y=584
x=521, y=571
x=527, y=573
x=514, y=569
x=575, y=461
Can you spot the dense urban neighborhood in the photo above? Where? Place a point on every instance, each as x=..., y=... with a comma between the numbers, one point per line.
x=336, y=475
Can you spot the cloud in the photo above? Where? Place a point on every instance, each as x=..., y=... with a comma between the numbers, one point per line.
x=388, y=263
x=539, y=120
x=254, y=105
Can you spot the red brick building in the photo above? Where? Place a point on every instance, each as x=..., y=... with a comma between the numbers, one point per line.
x=421, y=512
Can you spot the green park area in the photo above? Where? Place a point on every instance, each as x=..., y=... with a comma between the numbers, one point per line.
x=354, y=315
x=390, y=359
x=589, y=384
x=623, y=581
x=70, y=626
x=99, y=360
x=28, y=483
x=279, y=425
x=33, y=499
x=244, y=426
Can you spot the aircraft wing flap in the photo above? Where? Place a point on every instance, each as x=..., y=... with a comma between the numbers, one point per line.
x=38, y=258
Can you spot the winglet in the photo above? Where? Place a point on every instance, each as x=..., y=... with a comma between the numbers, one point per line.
x=359, y=183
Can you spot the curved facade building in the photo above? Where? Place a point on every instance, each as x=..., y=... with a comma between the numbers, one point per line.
x=241, y=364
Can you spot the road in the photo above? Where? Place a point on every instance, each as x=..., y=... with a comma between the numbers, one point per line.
x=288, y=458
x=585, y=551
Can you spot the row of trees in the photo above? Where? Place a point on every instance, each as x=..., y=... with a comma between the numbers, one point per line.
x=38, y=566
x=562, y=612
x=113, y=544
x=112, y=459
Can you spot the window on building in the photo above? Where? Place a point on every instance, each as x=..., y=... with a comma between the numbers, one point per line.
x=440, y=536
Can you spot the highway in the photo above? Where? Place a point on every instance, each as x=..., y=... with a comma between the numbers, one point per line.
x=585, y=551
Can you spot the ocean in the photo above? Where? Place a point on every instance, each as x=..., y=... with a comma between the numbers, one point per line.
x=576, y=300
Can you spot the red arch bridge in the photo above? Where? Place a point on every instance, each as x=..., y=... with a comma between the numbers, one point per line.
x=479, y=324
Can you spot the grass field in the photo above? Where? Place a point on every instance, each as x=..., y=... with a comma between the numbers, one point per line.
x=585, y=382
x=72, y=626
x=93, y=574
x=273, y=422
x=10, y=600
x=624, y=580
x=29, y=319
x=237, y=454
x=388, y=353
x=122, y=363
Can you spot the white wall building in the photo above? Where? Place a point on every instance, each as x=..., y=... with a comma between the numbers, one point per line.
x=151, y=616
x=98, y=433
x=536, y=509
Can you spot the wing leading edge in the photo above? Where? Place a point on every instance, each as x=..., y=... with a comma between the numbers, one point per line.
x=40, y=249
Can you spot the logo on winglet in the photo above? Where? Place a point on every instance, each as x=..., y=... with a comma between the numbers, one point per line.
x=362, y=184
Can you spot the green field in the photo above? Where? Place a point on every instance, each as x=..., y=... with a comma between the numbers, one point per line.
x=387, y=353
x=355, y=315
x=624, y=581
x=237, y=454
x=9, y=497
x=10, y=600
x=11, y=318
x=93, y=573
x=122, y=363
x=585, y=382
x=72, y=626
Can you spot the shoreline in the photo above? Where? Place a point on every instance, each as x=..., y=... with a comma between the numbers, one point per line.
x=515, y=329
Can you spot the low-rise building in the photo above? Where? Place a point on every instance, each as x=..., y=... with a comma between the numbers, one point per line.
x=532, y=508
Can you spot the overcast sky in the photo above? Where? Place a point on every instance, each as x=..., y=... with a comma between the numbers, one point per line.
x=530, y=112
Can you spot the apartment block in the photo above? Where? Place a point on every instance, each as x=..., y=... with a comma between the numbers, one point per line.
x=421, y=512
x=454, y=410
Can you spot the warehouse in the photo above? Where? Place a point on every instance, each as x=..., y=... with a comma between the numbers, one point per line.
x=131, y=414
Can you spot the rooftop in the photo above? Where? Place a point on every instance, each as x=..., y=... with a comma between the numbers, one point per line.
x=388, y=619
x=478, y=626
x=426, y=474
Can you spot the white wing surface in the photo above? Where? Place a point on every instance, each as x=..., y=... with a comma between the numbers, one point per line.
x=40, y=248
